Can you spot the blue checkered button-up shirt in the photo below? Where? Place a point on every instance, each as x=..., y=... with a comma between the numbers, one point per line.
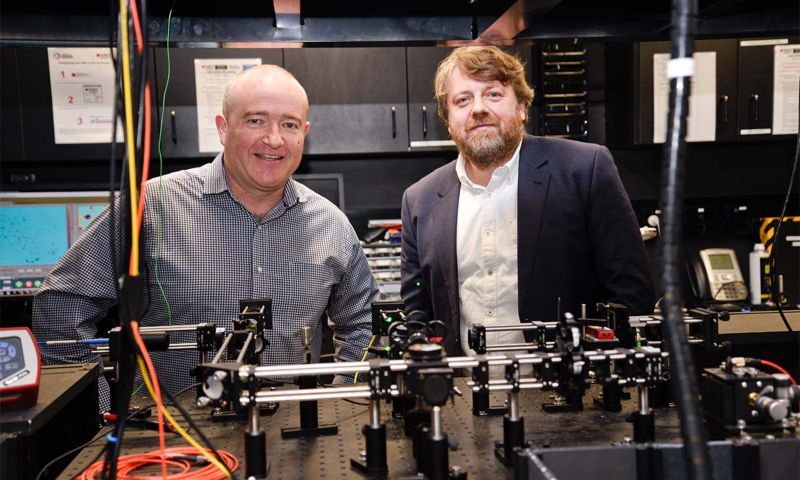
x=207, y=252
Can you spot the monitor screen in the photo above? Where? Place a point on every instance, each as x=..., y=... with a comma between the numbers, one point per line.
x=329, y=185
x=36, y=229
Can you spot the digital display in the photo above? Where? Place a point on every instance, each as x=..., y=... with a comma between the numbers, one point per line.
x=11, y=358
x=36, y=229
x=720, y=262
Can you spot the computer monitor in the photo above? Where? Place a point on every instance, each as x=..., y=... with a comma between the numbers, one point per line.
x=36, y=229
x=329, y=185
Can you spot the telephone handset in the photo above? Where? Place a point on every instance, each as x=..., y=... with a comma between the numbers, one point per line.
x=724, y=277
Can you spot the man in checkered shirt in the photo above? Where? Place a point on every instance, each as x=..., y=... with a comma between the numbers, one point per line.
x=236, y=228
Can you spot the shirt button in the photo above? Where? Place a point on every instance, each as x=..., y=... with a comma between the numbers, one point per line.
x=491, y=272
x=259, y=269
x=489, y=313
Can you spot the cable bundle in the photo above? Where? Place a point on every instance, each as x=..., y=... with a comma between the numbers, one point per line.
x=183, y=458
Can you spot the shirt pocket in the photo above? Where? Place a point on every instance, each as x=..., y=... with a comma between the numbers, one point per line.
x=312, y=285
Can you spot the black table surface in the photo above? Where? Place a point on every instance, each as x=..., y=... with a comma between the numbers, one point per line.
x=329, y=456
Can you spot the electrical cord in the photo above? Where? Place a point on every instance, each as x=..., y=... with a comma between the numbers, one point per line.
x=695, y=451
x=99, y=436
x=364, y=357
x=200, y=433
x=159, y=196
x=774, y=250
x=181, y=457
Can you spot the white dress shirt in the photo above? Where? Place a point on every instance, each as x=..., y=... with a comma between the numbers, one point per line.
x=486, y=246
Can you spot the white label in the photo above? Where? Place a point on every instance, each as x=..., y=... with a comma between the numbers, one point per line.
x=785, y=79
x=211, y=76
x=761, y=43
x=702, y=120
x=82, y=89
x=755, y=131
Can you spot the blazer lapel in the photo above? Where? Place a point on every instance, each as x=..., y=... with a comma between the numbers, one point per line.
x=445, y=217
x=534, y=181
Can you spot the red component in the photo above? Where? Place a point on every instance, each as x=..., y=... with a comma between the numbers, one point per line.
x=600, y=333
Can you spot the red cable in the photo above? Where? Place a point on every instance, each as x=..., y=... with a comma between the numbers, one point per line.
x=154, y=379
x=145, y=152
x=128, y=464
x=137, y=29
x=779, y=368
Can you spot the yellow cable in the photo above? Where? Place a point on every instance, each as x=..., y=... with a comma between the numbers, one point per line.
x=129, y=139
x=211, y=458
x=366, y=352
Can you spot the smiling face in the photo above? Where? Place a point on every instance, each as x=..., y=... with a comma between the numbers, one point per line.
x=263, y=130
x=484, y=118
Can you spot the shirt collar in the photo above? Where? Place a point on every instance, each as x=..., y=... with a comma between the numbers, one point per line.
x=502, y=172
x=217, y=182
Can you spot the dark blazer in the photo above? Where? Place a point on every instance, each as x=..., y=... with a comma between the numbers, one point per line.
x=578, y=238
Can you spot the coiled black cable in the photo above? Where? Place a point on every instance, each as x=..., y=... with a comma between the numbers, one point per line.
x=695, y=451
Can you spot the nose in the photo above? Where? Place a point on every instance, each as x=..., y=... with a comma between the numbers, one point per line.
x=273, y=138
x=478, y=106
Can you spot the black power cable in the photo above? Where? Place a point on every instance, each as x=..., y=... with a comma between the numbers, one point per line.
x=695, y=451
x=776, y=296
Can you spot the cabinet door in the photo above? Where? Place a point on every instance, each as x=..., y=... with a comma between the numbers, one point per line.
x=11, y=140
x=756, y=76
x=725, y=96
x=180, y=137
x=426, y=130
x=357, y=96
x=37, y=110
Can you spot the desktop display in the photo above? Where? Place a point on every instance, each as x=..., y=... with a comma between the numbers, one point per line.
x=36, y=229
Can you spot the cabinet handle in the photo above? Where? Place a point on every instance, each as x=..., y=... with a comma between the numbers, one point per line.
x=723, y=103
x=394, y=122
x=424, y=121
x=754, y=107
x=174, y=128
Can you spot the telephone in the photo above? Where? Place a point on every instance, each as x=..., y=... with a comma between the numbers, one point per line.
x=718, y=276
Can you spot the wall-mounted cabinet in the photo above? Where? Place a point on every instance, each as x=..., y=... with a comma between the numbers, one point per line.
x=740, y=99
x=723, y=104
x=11, y=144
x=426, y=130
x=181, y=137
x=756, y=86
x=357, y=96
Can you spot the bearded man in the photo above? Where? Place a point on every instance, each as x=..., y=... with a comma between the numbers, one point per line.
x=517, y=226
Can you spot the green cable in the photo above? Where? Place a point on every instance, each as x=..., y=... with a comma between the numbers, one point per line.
x=160, y=206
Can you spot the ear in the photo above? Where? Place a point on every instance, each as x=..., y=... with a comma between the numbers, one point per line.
x=523, y=114
x=222, y=128
x=306, y=127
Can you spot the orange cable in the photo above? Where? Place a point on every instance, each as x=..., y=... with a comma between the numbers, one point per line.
x=779, y=368
x=145, y=156
x=137, y=28
x=146, y=356
x=128, y=464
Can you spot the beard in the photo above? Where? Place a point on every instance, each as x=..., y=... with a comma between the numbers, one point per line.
x=489, y=147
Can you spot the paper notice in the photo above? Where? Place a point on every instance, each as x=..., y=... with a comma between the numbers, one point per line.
x=785, y=85
x=702, y=119
x=211, y=76
x=82, y=88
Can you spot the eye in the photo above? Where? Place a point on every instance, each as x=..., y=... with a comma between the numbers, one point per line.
x=291, y=125
x=254, y=121
x=495, y=94
x=462, y=100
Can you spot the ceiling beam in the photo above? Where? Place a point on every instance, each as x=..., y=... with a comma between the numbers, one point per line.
x=516, y=19
x=287, y=13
